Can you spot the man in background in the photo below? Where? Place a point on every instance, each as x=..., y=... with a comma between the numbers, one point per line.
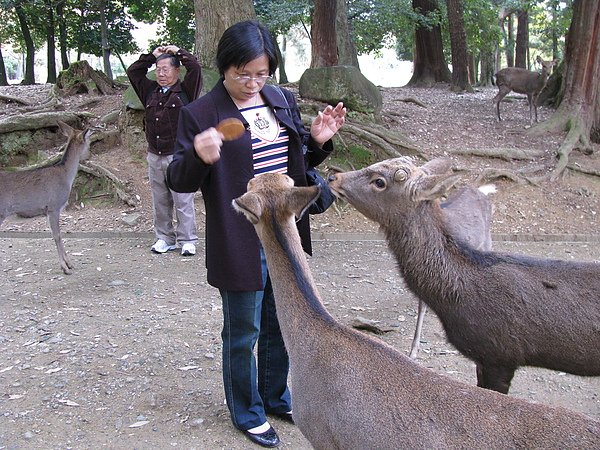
x=162, y=100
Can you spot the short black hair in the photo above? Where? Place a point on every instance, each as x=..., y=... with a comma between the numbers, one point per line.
x=244, y=42
x=172, y=59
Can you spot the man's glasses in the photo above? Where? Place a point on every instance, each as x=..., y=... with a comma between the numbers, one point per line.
x=244, y=79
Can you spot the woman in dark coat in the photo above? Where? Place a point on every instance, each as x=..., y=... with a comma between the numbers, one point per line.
x=275, y=140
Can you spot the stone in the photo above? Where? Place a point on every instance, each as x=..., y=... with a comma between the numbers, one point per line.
x=341, y=83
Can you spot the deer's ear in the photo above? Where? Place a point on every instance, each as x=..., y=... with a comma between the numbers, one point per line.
x=435, y=186
x=66, y=129
x=302, y=197
x=437, y=166
x=249, y=205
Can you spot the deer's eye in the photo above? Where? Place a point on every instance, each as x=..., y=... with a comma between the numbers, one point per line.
x=379, y=183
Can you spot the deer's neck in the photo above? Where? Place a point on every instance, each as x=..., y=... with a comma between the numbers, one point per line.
x=299, y=307
x=431, y=262
x=71, y=157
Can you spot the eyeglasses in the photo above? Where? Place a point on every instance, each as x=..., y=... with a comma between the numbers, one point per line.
x=165, y=70
x=244, y=79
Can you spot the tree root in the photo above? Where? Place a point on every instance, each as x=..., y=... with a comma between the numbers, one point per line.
x=11, y=99
x=391, y=144
x=577, y=137
x=506, y=154
x=118, y=186
x=411, y=100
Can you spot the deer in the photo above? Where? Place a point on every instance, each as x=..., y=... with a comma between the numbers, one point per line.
x=45, y=190
x=500, y=310
x=352, y=390
x=469, y=213
x=525, y=82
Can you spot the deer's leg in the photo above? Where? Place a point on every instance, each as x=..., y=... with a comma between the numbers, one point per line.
x=414, y=349
x=531, y=107
x=502, y=92
x=65, y=263
x=496, y=378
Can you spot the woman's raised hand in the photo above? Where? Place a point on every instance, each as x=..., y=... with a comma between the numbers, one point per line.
x=327, y=123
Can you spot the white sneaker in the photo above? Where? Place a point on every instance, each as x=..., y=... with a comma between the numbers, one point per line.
x=161, y=246
x=188, y=249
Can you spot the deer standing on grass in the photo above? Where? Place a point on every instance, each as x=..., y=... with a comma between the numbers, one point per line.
x=353, y=391
x=468, y=212
x=46, y=190
x=502, y=311
x=525, y=82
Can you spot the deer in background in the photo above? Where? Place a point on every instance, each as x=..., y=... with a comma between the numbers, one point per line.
x=525, y=82
x=502, y=311
x=353, y=391
x=468, y=212
x=45, y=190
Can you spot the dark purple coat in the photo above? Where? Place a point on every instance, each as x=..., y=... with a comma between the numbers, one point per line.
x=232, y=246
x=162, y=110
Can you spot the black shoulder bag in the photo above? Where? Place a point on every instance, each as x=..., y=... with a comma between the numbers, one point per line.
x=313, y=177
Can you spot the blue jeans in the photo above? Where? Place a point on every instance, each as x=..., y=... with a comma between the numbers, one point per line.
x=248, y=317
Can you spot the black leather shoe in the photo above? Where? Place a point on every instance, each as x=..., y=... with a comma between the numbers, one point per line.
x=286, y=416
x=267, y=439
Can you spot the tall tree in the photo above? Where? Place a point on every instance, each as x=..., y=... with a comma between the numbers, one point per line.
x=347, y=55
x=458, y=42
x=3, y=77
x=280, y=16
x=506, y=23
x=62, y=33
x=29, y=77
x=213, y=17
x=323, y=38
x=522, y=42
x=579, y=110
x=102, y=10
x=429, y=65
x=50, y=42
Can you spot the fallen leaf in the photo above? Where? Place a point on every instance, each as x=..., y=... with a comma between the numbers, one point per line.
x=139, y=424
x=188, y=367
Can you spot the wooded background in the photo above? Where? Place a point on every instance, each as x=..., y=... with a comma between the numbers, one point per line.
x=478, y=37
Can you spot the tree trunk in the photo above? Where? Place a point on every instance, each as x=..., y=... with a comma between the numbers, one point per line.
x=486, y=69
x=347, y=55
x=324, y=52
x=505, y=18
x=3, y=77
x=522, y=39
x=50, y=42
x=458, y=42
x=29, y=77
x=104, y=40
x=62, y=34
x=579, y=111
x=213, y=17
x=282, y=74
x=429, y=66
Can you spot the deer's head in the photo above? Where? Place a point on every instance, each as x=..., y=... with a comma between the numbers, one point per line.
x=393, y=186
x=273, y=195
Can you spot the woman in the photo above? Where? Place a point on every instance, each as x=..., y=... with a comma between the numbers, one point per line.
x=273, y=142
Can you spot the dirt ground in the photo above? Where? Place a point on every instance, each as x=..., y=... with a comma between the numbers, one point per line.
x=125, y=353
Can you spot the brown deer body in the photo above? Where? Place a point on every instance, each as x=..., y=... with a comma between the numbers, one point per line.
x=502, y=311
x=45, y=190
x=468, y=213
x=350, y=390
x=525, y=82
